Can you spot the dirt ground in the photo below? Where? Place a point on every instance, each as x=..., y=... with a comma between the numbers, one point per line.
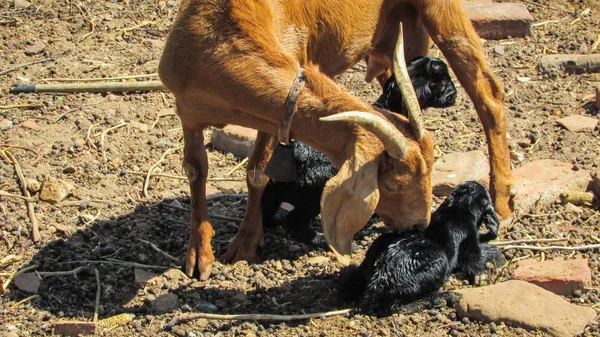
x=108, y=223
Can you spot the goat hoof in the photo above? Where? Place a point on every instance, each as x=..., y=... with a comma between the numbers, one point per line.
x=201, y=257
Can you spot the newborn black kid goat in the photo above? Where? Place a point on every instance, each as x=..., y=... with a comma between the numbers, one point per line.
x=434, y=89
x=400, y=268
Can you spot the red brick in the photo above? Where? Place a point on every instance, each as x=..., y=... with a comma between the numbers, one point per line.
x=234, y=139
x=496, y=21
x=454, y=168
x=546, y=179
x=561, y=277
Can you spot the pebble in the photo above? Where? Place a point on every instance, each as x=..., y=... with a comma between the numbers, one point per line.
x=29, y=124
x=499, y=50
x=295, y=248
x=36, y=48
x=5, y=124
x=493, y=327
x=178, y=331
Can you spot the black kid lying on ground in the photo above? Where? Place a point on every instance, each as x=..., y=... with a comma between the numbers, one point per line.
x=400, y=268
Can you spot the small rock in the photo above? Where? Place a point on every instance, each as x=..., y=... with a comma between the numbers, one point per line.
x=561, y=277
x=33, y=185
x=295, y=248
x=240, y=297
x=524, y=142
x=27, y=282
x=235, y=139
x=29, y=124
x=206, y=306
x=143, y=127
x=69, y=169
x=65, y=229
x=512, y=302
x=54, y=190
x=220, y=304
x=11, y=334
x=175, y=275
x=178, y=331
x=79, y=142
x=165, y=303
x=499, y=50
x=5, y=124
x=318, y=260
x=517, y=156
x=576, y=123
x=22, y=4
x=583, y=48
x=36, y=48
x=142, y=276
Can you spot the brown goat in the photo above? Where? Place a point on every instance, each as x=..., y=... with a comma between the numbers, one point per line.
x=234, y=61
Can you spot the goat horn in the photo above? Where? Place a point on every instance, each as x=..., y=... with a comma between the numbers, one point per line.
x=393, y=140
x=406, y=87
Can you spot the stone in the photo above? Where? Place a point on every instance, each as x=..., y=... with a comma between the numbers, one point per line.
x=240, y=297
x=234, y=139
x=165, y=303
x=576, y=123
x=33, y=185
x=546, y=178
x=596, y=182
x=19, y=4
x=143, y=276
x=11, y=334
x=318, y=260
x=570, y=63
x=454, y=168
x=142, y=127
x=495, y=21
x=175, y=275
x=5, y=124
x=54, y=190
x=499, y=50
x=29, y=124
x=521, y=304
x=70, y=169
x=27, y=282
x=35, y=48
x=561, y=277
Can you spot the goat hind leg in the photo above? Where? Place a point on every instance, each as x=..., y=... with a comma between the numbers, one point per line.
x=450, y=28
x=199, y=249
x=246, y=241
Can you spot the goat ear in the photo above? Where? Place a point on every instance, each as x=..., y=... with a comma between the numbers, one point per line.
x=349, y=199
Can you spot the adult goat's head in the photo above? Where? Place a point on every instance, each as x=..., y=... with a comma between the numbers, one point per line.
x=395, y=182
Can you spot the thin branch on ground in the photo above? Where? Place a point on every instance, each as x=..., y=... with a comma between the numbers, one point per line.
x=26, y=299
x=504, y=243
x=546, y=248
x=149, y=173
x=253, y=317
x=62, y=272
x=88, y=140
x=21, y=106
x=91, y=202
x=9, y=146
x=33, y=223
x=221, y=217
x=8, y=195
x=172, y=176
x=103, y=136
x=237, y=167
x=119, y=263
x=25, y=65
x=160, y=251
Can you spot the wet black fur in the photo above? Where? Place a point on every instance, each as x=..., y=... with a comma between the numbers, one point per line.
x=400, y=268
x=434, y=88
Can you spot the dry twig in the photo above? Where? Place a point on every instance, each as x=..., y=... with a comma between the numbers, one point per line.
x=98, y=289
x=253, y=317
x=146, y=181
x=13, y=275
x=103, y=135
x=505, y=243
x=25, y=65
x=34, y=228
x=172, y=176
x=21, y=106
x=96, y=79
x=537, y=248
x=26, y=299
x=237, y=167
x=160, y=251
x=8, y=195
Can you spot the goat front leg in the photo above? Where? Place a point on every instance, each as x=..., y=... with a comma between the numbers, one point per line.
x=195, y=162
x=450, y=28
x=246, y=241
